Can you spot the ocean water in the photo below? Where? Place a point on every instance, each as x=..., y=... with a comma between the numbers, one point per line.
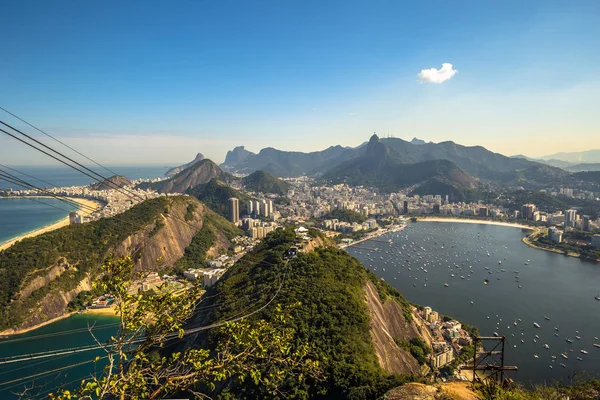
x=68, y=333
x=64, y=176
x=19, y=215
x=426, y=255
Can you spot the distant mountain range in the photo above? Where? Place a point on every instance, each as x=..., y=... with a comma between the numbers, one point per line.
x=476, y=161
x=389, y=164
x=579, y=157
x=385, y=167
x=572, y=162
x=286, y=163
x=174, y=171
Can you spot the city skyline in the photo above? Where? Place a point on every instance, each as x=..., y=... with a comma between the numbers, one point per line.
x=133, y=85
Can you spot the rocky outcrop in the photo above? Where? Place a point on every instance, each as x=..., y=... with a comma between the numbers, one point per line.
x=161, y=244
x=418, y=391
x=42, y=280
x=388, y=323
x=54, y=304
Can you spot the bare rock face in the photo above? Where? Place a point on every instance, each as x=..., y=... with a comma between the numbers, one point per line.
x=388, y=323
x=161, y=244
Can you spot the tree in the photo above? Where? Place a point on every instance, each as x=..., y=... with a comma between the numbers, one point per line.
x=265, y=352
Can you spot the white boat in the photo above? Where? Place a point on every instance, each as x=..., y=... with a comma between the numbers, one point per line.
x=580, y=359
x=564, y=355
x=596, y=345
x=536, y=356
x=546, y=346
x=569, y=340
x=446, y=285
x=536, y=324
x=547, y=318
x=584, y=352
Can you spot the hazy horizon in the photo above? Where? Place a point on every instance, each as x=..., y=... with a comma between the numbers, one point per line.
x=156, y=84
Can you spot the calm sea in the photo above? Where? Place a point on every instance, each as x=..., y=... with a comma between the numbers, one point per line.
x=63, y=176
x=426, y=255
x=19, y=216
x=64, y=334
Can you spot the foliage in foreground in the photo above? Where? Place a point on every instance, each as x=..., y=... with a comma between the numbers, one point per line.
x=265, y=353
x=582, y=389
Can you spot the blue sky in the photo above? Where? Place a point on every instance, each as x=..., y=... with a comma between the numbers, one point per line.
x=157, y=82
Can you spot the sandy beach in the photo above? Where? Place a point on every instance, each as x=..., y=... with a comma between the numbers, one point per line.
x=476, y=221
x=59, y=224
x=111, y=311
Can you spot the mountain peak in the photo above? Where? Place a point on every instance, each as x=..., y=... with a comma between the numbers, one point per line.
x=376, y=149
x=237, y=155
x=174, y=171
x=417, y=141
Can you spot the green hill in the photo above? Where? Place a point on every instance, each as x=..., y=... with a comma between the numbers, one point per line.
x=333, y=316
x=215, y=194
x=261, y=181
x=40, y=275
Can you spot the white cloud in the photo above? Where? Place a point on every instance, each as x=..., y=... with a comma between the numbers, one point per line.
x=433, y=75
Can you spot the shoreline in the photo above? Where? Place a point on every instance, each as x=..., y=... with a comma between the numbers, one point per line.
x=375, y=235
x=110, y=311
x=535, y=230
x=476, y=221
x=12, y=332
x=55, y=225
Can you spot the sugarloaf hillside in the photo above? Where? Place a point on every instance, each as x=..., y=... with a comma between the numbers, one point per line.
x=351, y=322
x=40, y=276
x=201, y=172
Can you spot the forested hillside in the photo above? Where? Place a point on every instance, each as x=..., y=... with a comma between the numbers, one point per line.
x=40, y=275
x=324, y=289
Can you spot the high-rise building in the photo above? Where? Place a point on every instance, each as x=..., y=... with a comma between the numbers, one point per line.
x=570, y=218
x=483, y=211
x=256, y=207
x=527, y=211
x=405, y=210
x=234, y=210
x=555, y=235
x=264, y=208
x=250, y=207
x=585, y=224
x=270, y=206
x=436, y=208
x=596, y=241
